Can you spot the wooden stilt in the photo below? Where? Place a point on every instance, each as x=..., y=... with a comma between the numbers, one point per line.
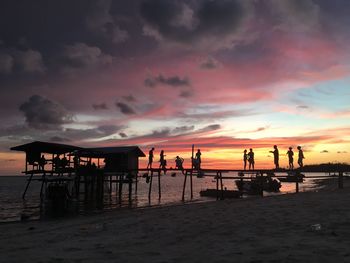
x=217, y=185
x=191, y=183
x=29, y=180
x=297, y=186
x=184, y=186
x=340, y=181
x=150, y=186
x=121, y=178
x=159, y=186
x=130, y=186
x=221, y=186
x=136, y=182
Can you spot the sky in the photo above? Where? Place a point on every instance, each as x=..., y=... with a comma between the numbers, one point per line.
x=223, y=75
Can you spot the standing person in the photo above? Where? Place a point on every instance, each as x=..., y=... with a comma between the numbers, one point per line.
x=251, y=159
x=42, y=162
x=300, y=157
x=150, y=158
x=162, y=161
x=245, y=158
x=290, y=154
x=275, y=157
x=179, y=163
x=198, y=159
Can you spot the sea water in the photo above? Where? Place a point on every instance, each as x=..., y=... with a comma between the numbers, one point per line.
x=14, y=208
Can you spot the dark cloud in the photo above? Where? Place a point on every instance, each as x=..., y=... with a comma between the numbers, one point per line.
x=324, y=151
x=59, y=139
x=129, y=98
x=185, y=22
x=209, y=63
x=186, y=94
x=342, y=152
x=123, y=135
x=101, y=106
x=183, y=129
x=125, y=108
x=212, y=127
x=6, y=63
x=98, y=132
x=174, y=81
x=303, y=107
x=42, y=113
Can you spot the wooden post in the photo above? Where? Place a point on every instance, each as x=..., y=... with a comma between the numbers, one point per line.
x=110, y=183
x=217, y=185
x=120, y=187
x=221, y=186
x=159, y=186
x=130, y=185
x=150, y=186
x=297, y=186
x=29, y=180
x=262, y=184
x=184, y=187
x=340, y=181
x=136, y=181
x=191, y=183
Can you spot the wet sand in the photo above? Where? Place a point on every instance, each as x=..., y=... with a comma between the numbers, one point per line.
x=269, y=229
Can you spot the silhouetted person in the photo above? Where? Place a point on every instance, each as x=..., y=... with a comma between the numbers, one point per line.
x=245, y=158
x=42, y=162
x=150, y=158
x=290, y=154
x=179, y=163
x=275, y=156
x=300, y=157
x=76, y=161
x=251, y=159
x=198, y=159
x=56, y=162
x=162, y=161
x=64, y=162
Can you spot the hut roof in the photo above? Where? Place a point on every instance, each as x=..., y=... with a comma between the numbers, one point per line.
x=46, y=147
x=101, y=152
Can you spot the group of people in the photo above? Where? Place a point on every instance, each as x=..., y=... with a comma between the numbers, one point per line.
x=249, y=157
x=196, y=162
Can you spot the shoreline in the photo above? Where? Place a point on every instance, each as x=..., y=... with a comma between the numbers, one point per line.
x=270, y=229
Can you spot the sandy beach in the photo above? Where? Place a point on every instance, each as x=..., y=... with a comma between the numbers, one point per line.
x=304, y=227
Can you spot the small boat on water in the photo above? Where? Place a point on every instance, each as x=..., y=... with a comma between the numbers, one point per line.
x=254, y=185
x=293, y=177
x=218, y=193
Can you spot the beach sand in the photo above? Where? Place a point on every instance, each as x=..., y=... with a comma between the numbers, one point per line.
x=270, y=229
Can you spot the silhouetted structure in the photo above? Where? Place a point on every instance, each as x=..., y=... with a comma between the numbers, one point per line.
x=290, y=154
x=251, y=159
x=245, y=158
x=275, y=157
x=300, y=157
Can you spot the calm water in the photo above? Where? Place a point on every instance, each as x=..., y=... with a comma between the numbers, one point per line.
x=13, y=208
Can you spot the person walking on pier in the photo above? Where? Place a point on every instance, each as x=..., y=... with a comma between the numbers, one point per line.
x=245, y=158
x=198, y=159
x=42, y=163
x=179, y=163
x=300, y=157
x=150, y=158
x=275, y=157
x=290, y=154
x=162, y=161
x=251, y=159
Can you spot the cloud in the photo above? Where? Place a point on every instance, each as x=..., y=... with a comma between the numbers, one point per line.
x=59, y=139
x=303, y=107
x=210, y=24
x=98, y=132
x=42, y=113
x=101, y=22
x=342, y=152
x=324, y=151
x=101, y=106
x=6, y=63
x=80, y=55
x=123, y=135
x=183, y=129
x=174, y=81
x=125, y=108
x=129, y=98
x=209, y=63
x=30, y=61
x=186, y=93
x=212, y=127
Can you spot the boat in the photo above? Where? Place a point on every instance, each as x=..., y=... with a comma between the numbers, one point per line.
x=293, y=177
x=254, y=185
x=218, y=193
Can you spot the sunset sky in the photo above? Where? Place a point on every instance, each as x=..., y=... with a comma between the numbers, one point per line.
x=223, y=75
